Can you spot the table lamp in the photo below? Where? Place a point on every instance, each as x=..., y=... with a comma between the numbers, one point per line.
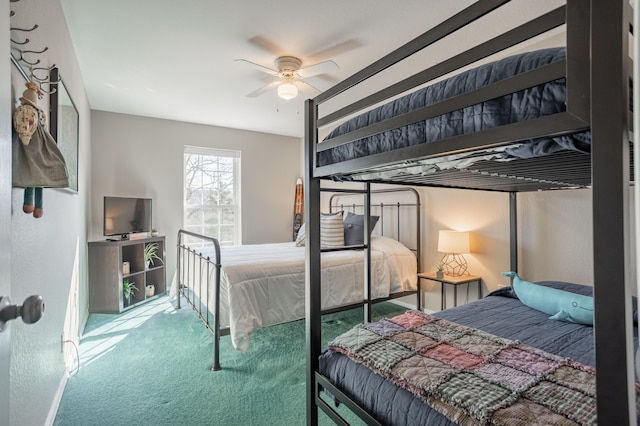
x=454, y=244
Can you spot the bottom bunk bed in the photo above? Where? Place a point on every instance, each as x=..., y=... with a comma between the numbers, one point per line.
x=494, y=361
x=239, y=289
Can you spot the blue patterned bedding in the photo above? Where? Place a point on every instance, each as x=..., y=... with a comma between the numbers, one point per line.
x=545, y=99
x=500, y=314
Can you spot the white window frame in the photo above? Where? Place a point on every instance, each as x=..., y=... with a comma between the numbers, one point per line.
x=216, y=152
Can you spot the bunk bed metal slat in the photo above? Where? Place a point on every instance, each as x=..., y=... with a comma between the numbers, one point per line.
x=366, y=417
x=522, y=33
x=313, y=295
x=613, y=325
x=578, y=76
x=513, y=232
x=549, y=125
x=500, y=88
x=367, y=252
x=451, y=25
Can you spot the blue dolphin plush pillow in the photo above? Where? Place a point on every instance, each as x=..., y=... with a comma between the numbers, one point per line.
x=560, y=304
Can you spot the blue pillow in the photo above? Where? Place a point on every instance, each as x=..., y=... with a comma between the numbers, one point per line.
x=560, y=304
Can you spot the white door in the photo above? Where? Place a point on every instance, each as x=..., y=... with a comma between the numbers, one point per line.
x=5, y=204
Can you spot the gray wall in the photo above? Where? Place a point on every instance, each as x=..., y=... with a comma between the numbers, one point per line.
x=48, y=255
x=143, y=157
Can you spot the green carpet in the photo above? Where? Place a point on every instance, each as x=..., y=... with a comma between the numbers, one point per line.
x=151, y=366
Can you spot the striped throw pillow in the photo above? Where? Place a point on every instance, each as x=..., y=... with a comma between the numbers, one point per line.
x=331, y=230
x=301, y=236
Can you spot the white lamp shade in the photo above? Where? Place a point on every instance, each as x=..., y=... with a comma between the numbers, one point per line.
x=287, y=91
x=453, y=242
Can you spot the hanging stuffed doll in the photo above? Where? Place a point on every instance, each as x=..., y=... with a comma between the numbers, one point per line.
x=37, y=161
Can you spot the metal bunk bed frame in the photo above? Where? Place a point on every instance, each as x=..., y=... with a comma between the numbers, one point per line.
x=597, y=71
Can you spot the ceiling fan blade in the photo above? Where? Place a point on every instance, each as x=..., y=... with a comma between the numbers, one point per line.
x=335, y=50
x=307, y=89
x=317, y=69
x=268, y=46
x=259, y=67
x=264, y=89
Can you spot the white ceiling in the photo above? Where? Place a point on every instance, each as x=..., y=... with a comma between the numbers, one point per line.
x=175, y=59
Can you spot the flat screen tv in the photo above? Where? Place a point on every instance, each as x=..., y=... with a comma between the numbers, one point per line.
x=123, y=216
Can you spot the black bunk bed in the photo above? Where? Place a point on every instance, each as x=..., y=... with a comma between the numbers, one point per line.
x=593, y=116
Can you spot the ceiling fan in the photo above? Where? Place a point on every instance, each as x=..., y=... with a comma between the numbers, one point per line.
x=291, y=76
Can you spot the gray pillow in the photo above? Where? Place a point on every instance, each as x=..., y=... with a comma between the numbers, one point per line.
x=354, y=228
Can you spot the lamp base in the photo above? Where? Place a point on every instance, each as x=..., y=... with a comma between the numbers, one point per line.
x=455, y=265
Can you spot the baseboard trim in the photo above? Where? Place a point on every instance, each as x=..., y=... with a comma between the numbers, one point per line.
x=56, y=399
x=55, y=404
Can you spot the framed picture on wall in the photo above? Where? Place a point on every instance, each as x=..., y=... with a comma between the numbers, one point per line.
x=64, y=125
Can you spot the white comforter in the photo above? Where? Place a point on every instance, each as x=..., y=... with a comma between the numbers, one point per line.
x=263, y=284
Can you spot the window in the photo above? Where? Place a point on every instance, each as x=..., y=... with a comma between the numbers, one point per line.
x=212, y=193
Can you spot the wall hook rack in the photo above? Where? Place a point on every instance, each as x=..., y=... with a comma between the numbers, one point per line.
x=22, y=55
x=35, y=27
x=26, y=59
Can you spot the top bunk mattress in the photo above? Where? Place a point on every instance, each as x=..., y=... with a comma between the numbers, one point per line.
x=541, y=100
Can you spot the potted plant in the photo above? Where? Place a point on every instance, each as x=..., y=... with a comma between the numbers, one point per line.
x=128, y=290
x=154, y=232
x=439, y=270
x=150, y=253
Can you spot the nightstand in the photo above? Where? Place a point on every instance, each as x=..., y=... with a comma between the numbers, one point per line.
x=455, y=282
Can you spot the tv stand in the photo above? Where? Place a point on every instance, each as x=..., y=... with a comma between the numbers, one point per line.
x=106, y=274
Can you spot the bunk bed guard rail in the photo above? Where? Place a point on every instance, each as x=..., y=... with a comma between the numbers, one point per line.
x=575, y=67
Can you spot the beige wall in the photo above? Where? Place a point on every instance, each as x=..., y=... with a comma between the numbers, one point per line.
x=48, y=255
x=486, y=216
x=554, y=237
x=143, y=157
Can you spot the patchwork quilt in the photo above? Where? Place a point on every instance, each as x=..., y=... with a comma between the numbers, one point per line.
x=473, y=377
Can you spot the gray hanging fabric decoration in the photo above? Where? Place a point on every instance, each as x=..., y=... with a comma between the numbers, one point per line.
x=37, y=160
x=39, y=164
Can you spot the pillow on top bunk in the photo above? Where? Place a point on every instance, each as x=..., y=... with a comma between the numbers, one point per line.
x=560, y=304
x=331, y=231
x=354, y=228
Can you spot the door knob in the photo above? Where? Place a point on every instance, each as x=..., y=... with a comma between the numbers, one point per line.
x=30, y=311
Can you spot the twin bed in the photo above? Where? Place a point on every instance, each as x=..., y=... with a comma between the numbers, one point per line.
x=551, y=119
x=239, y=289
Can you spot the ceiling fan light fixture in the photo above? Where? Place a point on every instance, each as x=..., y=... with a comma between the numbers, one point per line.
x=287, y=91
